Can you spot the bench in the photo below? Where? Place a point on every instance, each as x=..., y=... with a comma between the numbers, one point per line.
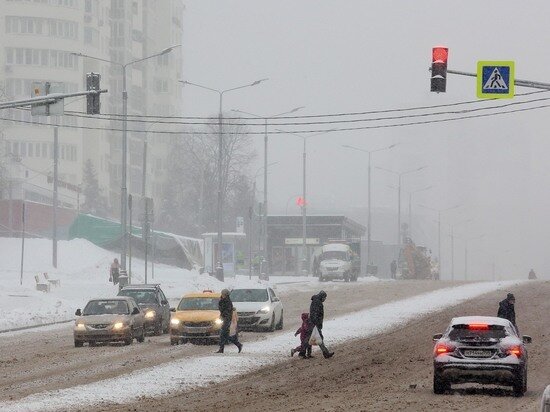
x=41, y=286
x=53, y=282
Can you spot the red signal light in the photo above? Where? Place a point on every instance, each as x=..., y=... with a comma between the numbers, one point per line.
x=440, y=54
x=300, y=201
x=478, y=326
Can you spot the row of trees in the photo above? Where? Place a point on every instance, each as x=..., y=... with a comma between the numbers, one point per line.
x=189, y=204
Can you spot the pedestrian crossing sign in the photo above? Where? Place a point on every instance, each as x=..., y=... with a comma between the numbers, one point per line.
x=495, y=79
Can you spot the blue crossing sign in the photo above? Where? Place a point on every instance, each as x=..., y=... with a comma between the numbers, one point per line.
x=495, y=79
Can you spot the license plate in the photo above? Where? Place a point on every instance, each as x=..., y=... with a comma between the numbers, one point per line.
x=478, y=353
x=196, y=330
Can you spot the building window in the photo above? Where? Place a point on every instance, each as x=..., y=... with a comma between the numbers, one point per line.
x=45, y=150
x=31, y=150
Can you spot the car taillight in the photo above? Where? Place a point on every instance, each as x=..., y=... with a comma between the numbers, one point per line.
x=442, y=348
x=478, y=326
x=514, y=350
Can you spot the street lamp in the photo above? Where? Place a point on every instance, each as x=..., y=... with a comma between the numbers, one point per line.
x=453, y=245
x=410, y=206
x=305, y=263
x=466, y=254
x=370, y=152
x=439, y=211
x=123, y=189
x=266, y=118
x=219, y=266
x=400, y=175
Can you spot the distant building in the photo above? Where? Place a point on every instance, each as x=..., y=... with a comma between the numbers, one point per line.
x=37, y=38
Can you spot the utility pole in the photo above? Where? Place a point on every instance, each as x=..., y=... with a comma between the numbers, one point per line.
x=22, y=240
x=304, y=217
x=130, y=242
x=146, y=234
x=55, y=180
x=10, y=209
x=452, y=254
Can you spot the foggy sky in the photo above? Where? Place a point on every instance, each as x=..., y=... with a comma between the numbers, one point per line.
x=348, y=56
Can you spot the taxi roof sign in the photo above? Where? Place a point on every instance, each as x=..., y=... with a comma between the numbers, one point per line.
x=495, y=79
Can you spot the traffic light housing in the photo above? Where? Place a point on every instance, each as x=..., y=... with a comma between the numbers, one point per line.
x=439, y=69
x=92, y=100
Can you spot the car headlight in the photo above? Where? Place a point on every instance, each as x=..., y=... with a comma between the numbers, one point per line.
x=265, y=309
x=80, y=326
x=218, y=322
x=150, y=314
x=174, y=322
x=118, y=325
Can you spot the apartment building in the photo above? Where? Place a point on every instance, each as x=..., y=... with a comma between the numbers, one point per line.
x=37, y=43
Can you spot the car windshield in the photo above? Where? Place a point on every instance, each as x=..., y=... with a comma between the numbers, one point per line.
x=199, y=304
x=463, y=333
x=249, y=295
x=334, y=254
x=140, y=296
x=106, y=307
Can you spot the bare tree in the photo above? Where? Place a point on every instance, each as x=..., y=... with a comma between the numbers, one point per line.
x=190, y=203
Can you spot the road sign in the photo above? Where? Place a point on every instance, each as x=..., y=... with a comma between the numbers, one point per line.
x=41, y=89
x=495, y=79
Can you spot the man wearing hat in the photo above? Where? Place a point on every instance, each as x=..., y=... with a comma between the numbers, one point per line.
x=226, y=314
x=506, y=309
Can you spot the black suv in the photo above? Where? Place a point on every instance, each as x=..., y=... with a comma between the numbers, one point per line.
x=154, y=305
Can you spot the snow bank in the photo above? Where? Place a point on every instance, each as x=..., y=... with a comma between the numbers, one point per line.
x=192, y=372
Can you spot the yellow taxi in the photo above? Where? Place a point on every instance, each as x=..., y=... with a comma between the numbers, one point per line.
x=197, y=317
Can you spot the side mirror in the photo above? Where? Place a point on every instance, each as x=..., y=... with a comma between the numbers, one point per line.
x=275, y=299
x=437, y=336
x=135, y=311
x=172, y=309
x=78, y=312
x=527, y=339
x=164, y=302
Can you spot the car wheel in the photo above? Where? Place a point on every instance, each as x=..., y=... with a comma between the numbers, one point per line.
x=158, y=329
x=280, y=324
x=440, y=385
x=174, y=341
x=129, y=340
x=520, y=383
x=92, y=344
x=78, y=343
x=272, y=325
x=141, y=337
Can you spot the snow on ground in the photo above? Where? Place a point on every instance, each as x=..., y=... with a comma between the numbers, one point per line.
x=83, y=271
x=192, y=372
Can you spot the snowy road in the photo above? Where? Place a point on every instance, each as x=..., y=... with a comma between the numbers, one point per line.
x=45, y=359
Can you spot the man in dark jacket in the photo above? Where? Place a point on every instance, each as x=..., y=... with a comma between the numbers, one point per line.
x=506, y=309
x=226, y=313
x=316, y=316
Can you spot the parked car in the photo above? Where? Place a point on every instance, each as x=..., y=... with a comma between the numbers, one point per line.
x=109, y=320
x=152, y=301
x=480, y=349
x=197, y=317
x=258, y=308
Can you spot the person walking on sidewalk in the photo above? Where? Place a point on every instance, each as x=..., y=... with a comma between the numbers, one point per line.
x=316, y=316
x=226, y=314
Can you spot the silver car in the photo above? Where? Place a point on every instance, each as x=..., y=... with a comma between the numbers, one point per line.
x=109, y=320
x=258, y=308
x=480, y=349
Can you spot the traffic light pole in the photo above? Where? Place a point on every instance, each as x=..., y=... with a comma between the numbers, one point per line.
x=48, y=99
x=517, y=82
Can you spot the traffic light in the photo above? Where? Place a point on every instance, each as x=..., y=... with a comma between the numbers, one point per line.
x=439, y=69
x=92, y=83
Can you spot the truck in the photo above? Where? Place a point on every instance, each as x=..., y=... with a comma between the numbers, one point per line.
x=415, y=262
x=339, y=260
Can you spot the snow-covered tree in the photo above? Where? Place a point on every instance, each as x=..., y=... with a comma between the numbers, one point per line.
x=94, y=201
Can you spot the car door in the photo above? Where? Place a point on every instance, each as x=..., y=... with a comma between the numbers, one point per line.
x=278, y=306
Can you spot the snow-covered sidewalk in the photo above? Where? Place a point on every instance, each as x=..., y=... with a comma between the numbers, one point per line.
x=192, y=372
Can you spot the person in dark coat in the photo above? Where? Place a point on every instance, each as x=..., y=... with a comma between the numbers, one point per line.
x=506, y=309
x=316, y=316
x=304, y=331
x=393, y=269
x=532, y=275
x=226, y=314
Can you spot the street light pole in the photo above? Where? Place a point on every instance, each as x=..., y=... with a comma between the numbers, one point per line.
x=304, y=216
x=219, y=263
x=369, y=183
x=124, y=189
x=410, y=207
x=266, y=118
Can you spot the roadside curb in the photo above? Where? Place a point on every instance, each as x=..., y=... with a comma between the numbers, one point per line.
x=35, y=326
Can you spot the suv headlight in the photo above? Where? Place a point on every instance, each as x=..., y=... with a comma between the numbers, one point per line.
x=265, y=309
x=174, y=322
x=150, y=314
x=80, y=326
x=218, y=322
x=118, y=325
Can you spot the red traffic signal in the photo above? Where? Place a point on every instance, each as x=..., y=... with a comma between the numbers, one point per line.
x=439, y=69
x=300, y=201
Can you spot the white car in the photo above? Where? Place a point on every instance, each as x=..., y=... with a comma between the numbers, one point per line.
x=258, y=308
